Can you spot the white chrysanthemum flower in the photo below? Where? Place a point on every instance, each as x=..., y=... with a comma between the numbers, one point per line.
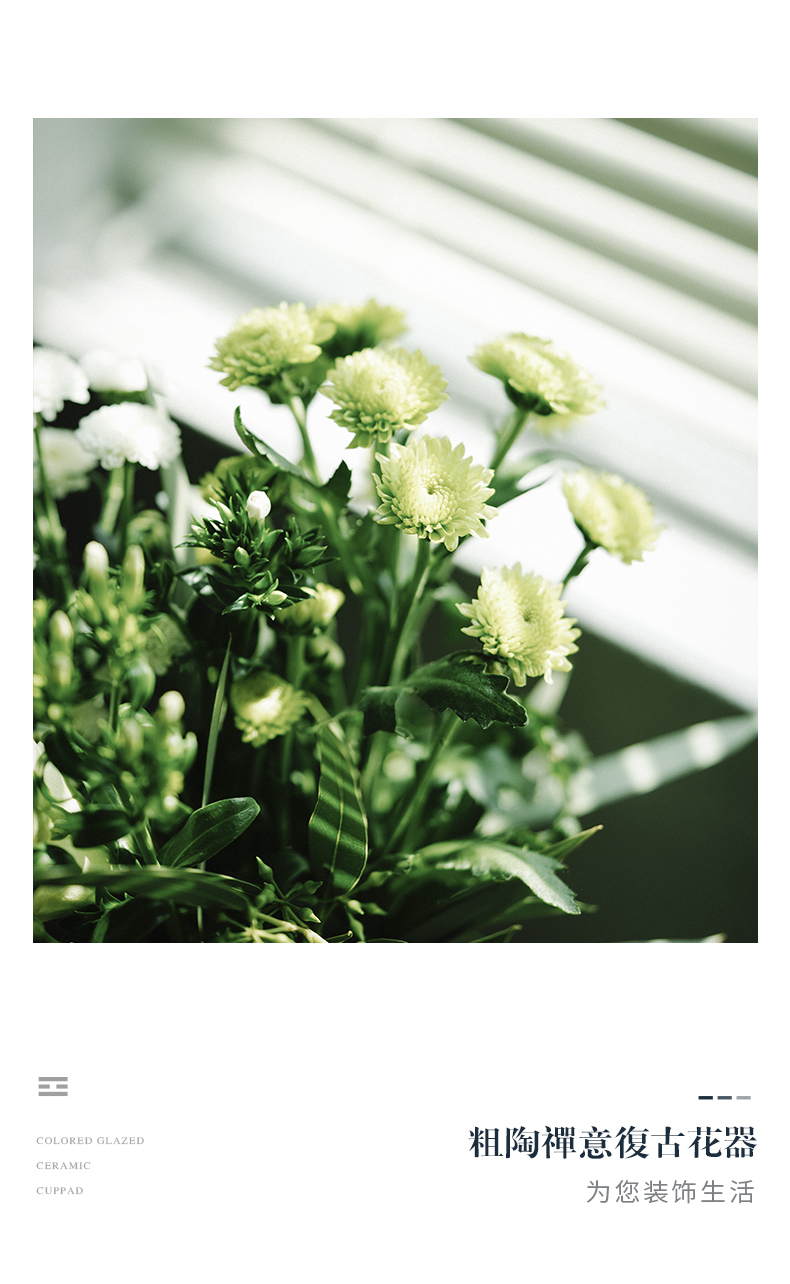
x=65, y=462
x=258, y=506
x=519, y=619
x=108, y=372
x=612, y=512
x=316, y=611
x=379, y=392
x=266, y=341
x=431, y=489
x=265, y=706
x=130, y=431
x=56, y=379
x=540, y=378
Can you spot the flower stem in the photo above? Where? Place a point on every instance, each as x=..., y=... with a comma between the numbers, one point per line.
x=113, y=498
x=144, y=843
x=297, y=408
x=52, y=529
x=127, y=502
x=580, y=563
x=216, y=722
x=340, y=544
x=295, y=672
x=410, y=817
x=510, y=431
x=413, y=595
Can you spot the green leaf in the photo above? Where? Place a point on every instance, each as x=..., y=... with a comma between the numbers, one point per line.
x=259, y=447
x=468, y=912
x=93, y=826
x=338, y=488
x=643, y=767
x=509, y=475
x=458, y=682
x=338, y=832
x=208, y=831
x=40, y=933
x=378, y=706
x=62, y=752
x=558, y=851
x=131, y=920
x=536, y=869
x=184, y=886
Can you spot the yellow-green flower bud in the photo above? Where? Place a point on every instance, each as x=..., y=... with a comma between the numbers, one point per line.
x=61, y=673
x=133, y=577
x=142, y=681
x=265, y=706
x=97, y=564
x=171, y=707
x=241, y=557
x=61, y=634
x=130, y=740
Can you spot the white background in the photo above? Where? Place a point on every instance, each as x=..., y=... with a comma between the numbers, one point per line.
x=310, y=1113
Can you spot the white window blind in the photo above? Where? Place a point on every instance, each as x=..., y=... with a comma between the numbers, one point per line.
x=634, y=251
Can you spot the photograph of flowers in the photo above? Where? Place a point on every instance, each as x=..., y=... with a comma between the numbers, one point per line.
x=395, y=531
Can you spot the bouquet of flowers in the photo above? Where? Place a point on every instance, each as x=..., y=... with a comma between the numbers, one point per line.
x=248, y=727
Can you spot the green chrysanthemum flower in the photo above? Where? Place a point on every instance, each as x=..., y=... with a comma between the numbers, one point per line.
x=519, y=618
x=267, y=341
x=248, y=471
x=431, y=489
x=363, y=326
x=540, y=378
x=315, y=611
x=612, y=512
x=377, y=393
x=265, y=706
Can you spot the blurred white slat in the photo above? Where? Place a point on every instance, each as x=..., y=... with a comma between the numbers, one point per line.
x=629, y=152
x=664, y=317
x=571, y=204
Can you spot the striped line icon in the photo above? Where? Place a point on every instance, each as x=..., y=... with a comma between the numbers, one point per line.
x=711, y=1098
x=53, y=1085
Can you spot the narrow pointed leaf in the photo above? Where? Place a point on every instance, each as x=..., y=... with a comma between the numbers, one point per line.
x=209, y=830
x=184, y=886
x=643, y=767
x=558, y=851
x=533, y=868
x=92, y=826
x=338, y=832
x=259, y=447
